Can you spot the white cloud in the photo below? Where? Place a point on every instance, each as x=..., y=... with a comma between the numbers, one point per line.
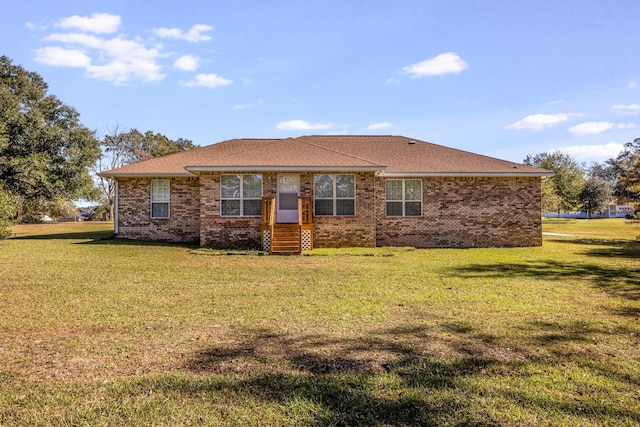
x=187, y=63
x=556, y=102
x=628, y=109
x=303, y=125
x=592, y=152
x=444, y=63
x=383, y=125
x=60, y=57
x=633, y=85
x=247, y=106
x=207, y=80
x=99, y=23
x=116, y=60
x=193, y=35
x=594, y=128
x=540, y=121
x=392, y=80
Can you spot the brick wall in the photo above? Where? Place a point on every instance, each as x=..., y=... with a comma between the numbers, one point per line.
x=466, y=212
x=224, y=232
x=134, y=211
x=457, y=212
x=344, y=231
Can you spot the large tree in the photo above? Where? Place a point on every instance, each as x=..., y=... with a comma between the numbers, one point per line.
x=567, y=182
x=595, y=195
x=621, y=172
x=122, y=148
x=45, y=152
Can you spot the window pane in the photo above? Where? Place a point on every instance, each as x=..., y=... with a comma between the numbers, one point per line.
x=413, y=208
x=230, y=185
x=252, y=207
x=345, y=186
x=252, y=186
x=288, y=201
x=160, y=190
x=345, y=207
x=159, y=210
x=394, y=189
x=323, y=186
x=324, y=207
x=230, y=207
x=394, y=208
x=412, y=189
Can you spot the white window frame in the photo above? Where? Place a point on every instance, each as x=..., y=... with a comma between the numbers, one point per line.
x=403, y=201
x=241, y=197
x=164, y=198
x=334, y=198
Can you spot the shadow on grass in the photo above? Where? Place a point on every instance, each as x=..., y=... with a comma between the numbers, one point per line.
x=607, y=248
x=391, y=377
x=623, y=282
x=103, y=238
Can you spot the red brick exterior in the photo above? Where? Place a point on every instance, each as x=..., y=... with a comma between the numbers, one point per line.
x=345, y=231
x=134, y=211
x=467, y=212
x=456, y=212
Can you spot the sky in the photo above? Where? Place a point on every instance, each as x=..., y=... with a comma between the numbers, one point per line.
x=501, y=78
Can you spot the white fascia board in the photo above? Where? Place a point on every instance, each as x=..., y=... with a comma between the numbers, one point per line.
x=466, y=174
x=195, y=169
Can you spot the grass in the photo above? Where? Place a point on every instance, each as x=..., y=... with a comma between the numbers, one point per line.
x=97, y=331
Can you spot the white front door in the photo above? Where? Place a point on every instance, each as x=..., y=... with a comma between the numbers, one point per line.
x=288, y=192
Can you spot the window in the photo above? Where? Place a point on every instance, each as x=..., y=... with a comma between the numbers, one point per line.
x=334, y=195
x=241, y=195
x=404, y=197
x=160, y=198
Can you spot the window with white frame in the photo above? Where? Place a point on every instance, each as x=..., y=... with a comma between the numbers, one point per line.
x=160, y=196
x=334, y=195
x=404, y=197
x=241, y=195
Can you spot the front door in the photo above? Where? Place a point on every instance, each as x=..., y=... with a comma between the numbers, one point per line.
x=288, y=192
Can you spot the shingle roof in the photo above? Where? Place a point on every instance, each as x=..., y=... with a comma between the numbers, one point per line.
x=390, y=155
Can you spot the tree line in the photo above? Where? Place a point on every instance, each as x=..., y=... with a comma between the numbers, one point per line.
x=48, y=158
x=589, y=189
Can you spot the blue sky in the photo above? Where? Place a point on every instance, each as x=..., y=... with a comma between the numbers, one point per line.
x=501, y=78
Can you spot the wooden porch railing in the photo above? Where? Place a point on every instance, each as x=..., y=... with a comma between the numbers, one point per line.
x=268, y=211
x=275, y=235
x=305, y=210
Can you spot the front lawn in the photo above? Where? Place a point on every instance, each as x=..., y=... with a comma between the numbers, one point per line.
x=97, y=331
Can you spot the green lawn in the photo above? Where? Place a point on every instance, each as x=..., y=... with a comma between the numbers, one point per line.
x=97, y=331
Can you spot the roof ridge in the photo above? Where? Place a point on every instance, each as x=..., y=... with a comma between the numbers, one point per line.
x=339, y=152
x=247, y=149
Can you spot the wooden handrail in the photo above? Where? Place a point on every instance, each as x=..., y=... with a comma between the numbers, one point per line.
x=305, y=214
x=268, y=210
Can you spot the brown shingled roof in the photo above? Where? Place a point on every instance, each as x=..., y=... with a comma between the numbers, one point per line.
x=390, y=155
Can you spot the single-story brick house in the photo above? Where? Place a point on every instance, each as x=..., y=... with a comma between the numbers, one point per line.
x=291, y=194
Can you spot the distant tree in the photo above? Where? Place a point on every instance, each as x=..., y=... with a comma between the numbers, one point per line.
x=45, y=152
x=620, y=172
x=122, y=148
x=550, y=198
x=595, y=195
x=567, y=182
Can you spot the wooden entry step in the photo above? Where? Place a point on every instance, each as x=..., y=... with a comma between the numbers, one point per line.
x=285, y=239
